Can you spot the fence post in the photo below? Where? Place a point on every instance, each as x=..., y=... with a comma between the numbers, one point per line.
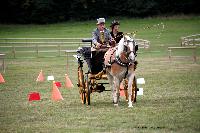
x=14, y=52
x=2, y=57
x=194, y=55
x=193, y=41
x=59, y=50
x=181, y=41
x=66, y=53
x=37, y=50
x=170, y=53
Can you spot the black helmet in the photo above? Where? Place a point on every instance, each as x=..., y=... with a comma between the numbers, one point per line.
x=113, y=23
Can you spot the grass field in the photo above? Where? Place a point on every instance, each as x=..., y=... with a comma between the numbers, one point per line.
x=171, y=100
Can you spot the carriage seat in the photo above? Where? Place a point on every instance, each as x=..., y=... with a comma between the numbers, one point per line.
x=94, y=59
x=85, y=52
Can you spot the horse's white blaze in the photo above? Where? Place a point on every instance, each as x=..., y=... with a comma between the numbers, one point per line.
x=132, y=57
x=130, y=45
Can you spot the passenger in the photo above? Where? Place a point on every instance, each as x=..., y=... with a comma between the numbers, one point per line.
x=116, y=35
x=115, y=25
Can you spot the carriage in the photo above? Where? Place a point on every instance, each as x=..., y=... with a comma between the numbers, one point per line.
x=89, y=80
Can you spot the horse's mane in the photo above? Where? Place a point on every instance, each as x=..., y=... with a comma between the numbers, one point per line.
x=120, y=47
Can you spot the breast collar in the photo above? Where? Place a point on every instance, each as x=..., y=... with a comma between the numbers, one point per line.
x=118, y=61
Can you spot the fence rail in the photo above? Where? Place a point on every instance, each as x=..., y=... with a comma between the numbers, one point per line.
x=143, y=43
x=13, y=46
x=41, y=39
x=193, y=48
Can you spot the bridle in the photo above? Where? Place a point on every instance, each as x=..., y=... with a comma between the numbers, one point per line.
x=127, y=52
x=127, y=48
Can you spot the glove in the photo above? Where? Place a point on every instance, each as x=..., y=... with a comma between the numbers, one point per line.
x=98, y=45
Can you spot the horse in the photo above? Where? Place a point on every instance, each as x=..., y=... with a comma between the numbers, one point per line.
x=120, y=63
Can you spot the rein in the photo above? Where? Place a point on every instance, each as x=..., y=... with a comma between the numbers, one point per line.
x=120, y=62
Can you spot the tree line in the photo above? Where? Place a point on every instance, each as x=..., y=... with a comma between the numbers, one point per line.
x=52, y=11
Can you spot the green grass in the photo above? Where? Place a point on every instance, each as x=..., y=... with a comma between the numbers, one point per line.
x=171, y=94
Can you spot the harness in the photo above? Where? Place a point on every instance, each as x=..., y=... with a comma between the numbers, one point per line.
x=119, y=61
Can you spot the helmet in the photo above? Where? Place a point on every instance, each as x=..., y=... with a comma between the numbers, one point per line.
x=113, y=23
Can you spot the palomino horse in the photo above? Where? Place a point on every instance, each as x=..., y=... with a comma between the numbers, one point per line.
x=121, y=64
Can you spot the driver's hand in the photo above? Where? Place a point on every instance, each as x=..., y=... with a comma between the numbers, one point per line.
x=98, y=45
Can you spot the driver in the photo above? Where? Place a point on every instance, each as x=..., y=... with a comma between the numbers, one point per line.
x=115, y=33
x=101, y=38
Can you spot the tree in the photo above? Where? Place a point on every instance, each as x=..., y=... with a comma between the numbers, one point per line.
x=51, y=11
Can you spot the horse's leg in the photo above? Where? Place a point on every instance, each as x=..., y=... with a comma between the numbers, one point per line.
x=111, y=82
x=116, y=91
x=130, y=82
x=125, y=88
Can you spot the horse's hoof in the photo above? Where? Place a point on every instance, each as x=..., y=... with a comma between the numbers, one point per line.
x=116, y=105
x=130, y=106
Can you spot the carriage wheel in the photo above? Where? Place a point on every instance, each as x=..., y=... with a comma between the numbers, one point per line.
x=81, y=85
x=88, y=90
x=134, y=89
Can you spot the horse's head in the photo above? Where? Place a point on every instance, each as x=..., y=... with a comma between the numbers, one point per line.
x=128, y=46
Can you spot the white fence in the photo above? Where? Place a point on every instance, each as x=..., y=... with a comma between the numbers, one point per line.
x=193, y=55
x=46, y=47
x=192, y=40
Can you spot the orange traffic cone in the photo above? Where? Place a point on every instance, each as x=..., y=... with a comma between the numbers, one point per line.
x=1, y=79
x=56, y=95
x=40, y=77
x=68, y=82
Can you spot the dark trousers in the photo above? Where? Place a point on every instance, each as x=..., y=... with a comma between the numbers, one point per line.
x=97, y=61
